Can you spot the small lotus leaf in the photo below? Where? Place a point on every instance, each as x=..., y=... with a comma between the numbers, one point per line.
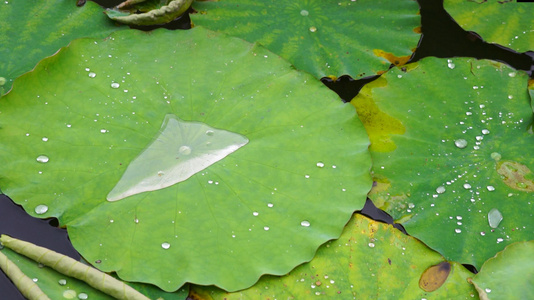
x=323, y=37
x=262, y=209
x=508, y=275
x=450, y=141
x=33, y=30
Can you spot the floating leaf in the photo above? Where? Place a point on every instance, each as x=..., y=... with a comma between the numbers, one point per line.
x=370, y=260
x=323, y=37
x=306, y=162
x=30, y=31
x=504, y=22
x=462, y=154
x=508, y=275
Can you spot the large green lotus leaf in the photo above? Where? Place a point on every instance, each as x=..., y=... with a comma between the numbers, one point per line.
x=450, y=145
x=370, y=260
x=508, y=275
x=32, y=30
x=58, y=286
x=322, y=37
x=150, y=102
x=504, y=22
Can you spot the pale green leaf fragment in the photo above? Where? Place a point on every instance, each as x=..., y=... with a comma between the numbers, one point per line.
x=72, y=268
x=162, y=15
x=26, y=286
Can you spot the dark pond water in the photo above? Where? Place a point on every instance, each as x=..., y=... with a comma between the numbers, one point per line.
x=441, y=37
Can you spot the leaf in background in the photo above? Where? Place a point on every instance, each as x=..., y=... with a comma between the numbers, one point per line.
x=504, y=22
x=262, y=209
x=322, y=37
x=462, y=158
x=370, y=260
x=33, y=30
x=508, y=275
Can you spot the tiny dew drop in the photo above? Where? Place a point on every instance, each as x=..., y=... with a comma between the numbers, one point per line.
x=313, y=29
x=304, y=13
x=372, y=245
x=494, y=218
x=209, y=132
x=457, y=230
x=115, y=85
x=485, y=131
x=41, y=209
x=255, y=214
x=460, y=143
x=266, y=228
x=185, y=150
x=62, y=282
x=440, y=190
x=320, y=164
x=490, y=188
x=165, y=246
x=92, y=74
x=467, y=186
x=496, y=156
x=305, y=223
x=42, y=159
x=82, y=296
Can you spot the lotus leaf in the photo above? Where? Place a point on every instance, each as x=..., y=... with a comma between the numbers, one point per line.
x=262, y=209
x=508, y=275
x=508, y=23
x=323, y=37
x=450, y=145
x=32, y=30
x=370, y=260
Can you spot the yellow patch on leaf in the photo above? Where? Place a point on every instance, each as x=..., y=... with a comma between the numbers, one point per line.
x=396, y=60
x=379, y=125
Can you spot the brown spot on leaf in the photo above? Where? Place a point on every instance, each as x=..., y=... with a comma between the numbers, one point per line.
x=434, y=277
x=515, y=175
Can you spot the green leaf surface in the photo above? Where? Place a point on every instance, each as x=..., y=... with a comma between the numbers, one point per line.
x=262, y=209
x=370, y=260
x=33, y=30
x=508, y=23
x=322, y=37
x=508, y=275
x=450, y=144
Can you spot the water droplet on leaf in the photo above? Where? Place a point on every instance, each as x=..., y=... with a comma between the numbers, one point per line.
x=460, y=143
x=41, y=209
x=165, y=246
x=440, y=190
x=305, y=223
x=42, y=159
x=494, y=218
x=92, y=74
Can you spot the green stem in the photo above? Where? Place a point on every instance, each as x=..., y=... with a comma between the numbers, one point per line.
x=73, y=268
x=159, y=16
x=26, y=286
